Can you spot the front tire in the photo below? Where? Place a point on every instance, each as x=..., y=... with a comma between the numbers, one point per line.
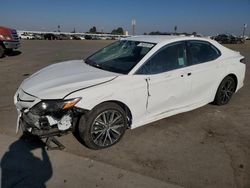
x=225, y=91
x=103, y=127
x=2, y=51
x=9, y=51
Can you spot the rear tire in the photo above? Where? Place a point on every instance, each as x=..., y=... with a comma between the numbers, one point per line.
x=103, y=126
x=225, y=91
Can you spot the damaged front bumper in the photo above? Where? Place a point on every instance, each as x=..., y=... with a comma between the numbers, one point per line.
x=46, y=127
x=44, y=124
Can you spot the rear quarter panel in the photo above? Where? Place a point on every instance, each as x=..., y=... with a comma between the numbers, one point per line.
x=238, y=69
x=231, y=61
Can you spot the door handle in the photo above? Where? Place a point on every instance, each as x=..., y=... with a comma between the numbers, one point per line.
x=189, y=74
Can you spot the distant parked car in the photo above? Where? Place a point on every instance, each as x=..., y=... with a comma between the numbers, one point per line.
x=75, y=37
x=81, y=37
x=130, y=83
x=26, y=36
x=228, y=39
x=38, y=37
x=9, y=40
x=88, y=37
x=64, y=37
x=96, y=38
x=50, y=36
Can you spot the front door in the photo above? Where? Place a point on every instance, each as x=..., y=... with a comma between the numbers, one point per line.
x=167, y=78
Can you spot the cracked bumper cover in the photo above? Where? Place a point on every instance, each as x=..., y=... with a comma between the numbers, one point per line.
x=48, y=125
x=54, y=123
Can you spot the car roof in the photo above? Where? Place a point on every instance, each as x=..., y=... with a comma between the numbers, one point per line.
x=163, y=38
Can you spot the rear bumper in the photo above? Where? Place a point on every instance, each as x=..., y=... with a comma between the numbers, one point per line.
x=11, y=44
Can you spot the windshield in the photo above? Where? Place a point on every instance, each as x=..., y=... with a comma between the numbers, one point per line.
x=121, y=56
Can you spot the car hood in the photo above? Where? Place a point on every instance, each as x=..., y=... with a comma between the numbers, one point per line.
x=58, y=80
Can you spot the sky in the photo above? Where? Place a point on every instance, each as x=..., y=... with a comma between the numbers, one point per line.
x=208, y=17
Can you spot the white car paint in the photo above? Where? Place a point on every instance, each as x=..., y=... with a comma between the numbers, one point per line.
x=148, y=97
x=26, y=36
x=82, y=37
x=58, y=80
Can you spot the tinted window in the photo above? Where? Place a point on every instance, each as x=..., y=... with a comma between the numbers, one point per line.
x=201, y=52
x=169, y=58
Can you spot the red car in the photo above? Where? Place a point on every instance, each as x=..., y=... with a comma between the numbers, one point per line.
x=9, y=40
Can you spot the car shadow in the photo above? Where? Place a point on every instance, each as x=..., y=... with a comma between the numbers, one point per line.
x=13, y=53
x=20, y=168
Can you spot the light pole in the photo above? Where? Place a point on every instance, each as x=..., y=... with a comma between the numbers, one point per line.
x=175, y=29
x=244, y=29
x=133, y=26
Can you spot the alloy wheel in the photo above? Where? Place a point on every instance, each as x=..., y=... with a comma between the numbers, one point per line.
x=227, y=91
x=107, y=128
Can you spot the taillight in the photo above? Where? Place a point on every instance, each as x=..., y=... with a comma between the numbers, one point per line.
x=243, y=60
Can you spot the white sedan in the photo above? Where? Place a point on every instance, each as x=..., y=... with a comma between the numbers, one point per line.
x=130, y=83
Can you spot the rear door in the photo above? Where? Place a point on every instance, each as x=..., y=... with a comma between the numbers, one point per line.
x=205, y=70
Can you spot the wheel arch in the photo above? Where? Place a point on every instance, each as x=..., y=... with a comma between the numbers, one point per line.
x=123, y=106
x=232, y=75
x=2, y=44
x=2, y=48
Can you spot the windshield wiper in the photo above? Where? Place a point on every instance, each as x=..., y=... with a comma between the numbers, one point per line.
x=87, y=61
x=98, y=66
x=106, y=68
x=94, y=64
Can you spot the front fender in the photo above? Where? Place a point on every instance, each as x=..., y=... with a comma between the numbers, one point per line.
x=127, y=90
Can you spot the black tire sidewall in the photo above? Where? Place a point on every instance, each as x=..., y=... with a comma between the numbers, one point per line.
x=86, y=121
x=2, y=51
x=217, y=100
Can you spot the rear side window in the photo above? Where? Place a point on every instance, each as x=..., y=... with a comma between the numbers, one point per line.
x=201, y=52
x=168, y=58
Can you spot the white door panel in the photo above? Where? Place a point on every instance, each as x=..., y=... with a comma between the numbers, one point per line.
x=205, y=80
x=168, y=91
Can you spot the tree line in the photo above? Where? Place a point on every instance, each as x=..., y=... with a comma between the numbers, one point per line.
x=118, y=31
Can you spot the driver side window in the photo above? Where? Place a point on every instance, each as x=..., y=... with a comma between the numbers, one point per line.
x=168, y=58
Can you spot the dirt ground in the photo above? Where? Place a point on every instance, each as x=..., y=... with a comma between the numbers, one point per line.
x=208, y=147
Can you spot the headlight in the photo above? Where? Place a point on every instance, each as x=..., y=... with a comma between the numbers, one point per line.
x=5, y=37
x=49, y=106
